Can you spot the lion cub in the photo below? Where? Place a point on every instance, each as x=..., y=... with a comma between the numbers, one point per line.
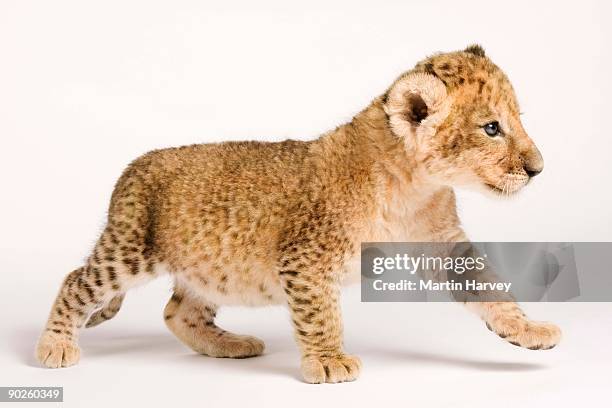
x=249, y=223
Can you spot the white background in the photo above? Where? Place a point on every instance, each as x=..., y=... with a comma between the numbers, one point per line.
x=86, y=86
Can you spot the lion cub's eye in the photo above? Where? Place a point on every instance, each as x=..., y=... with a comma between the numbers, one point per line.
x=492, y=129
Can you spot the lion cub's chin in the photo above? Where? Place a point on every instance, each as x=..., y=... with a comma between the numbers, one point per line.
x=492, y=190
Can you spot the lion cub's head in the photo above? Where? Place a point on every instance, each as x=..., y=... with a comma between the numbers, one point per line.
x=458, y=114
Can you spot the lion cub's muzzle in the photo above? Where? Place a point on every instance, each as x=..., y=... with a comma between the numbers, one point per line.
x=533, y=163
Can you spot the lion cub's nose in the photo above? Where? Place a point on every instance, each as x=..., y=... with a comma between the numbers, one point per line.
x=533, y=172
x=533, y=163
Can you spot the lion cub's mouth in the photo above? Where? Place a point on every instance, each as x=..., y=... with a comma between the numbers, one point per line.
x=495, y=189
x=508, y=184
x=506, y=189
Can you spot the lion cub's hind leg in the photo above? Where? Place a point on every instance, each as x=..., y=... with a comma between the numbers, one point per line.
x=107, y=312
x=191, y=319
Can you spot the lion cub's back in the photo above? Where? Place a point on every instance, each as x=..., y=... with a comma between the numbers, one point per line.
x=222, y=203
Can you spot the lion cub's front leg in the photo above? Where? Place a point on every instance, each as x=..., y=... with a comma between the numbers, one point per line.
x=311, y=253
x=507, y=320
x=315, y=311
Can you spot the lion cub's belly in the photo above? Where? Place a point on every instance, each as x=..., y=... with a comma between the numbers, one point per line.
x=245, y=285
x=255, y=281
x=233, y=284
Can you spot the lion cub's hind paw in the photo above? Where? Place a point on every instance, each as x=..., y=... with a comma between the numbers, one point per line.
x=234, y=346
x=56, y=352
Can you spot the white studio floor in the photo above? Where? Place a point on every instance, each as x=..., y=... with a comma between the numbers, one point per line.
x=413, y=354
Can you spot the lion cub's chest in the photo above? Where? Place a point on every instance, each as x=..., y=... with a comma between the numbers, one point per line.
x=382, y=229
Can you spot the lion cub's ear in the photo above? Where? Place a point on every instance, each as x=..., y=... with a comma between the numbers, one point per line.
x=416, y=104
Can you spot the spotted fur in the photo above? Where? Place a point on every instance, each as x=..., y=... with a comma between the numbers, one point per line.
x=249, y=223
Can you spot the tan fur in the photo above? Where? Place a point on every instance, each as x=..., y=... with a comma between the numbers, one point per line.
x=248, y=223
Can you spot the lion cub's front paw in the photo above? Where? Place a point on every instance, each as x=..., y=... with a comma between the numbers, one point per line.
x=316, y=370
x=56, y=352
x=526, y=333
